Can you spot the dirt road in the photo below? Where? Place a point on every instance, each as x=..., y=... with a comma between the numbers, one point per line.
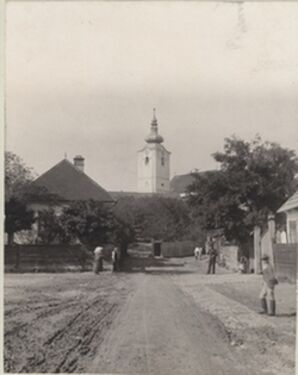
x=167, y=320
x=161, y=331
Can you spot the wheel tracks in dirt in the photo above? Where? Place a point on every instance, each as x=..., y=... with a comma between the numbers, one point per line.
x=62, y=339
x=50, y=310
x=86, y=328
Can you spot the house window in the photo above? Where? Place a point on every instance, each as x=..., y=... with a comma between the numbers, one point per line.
x=146, y=160
x=162, y=160
x=293, y=231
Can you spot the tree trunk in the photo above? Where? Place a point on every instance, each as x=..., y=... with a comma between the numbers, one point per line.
x=10, y=238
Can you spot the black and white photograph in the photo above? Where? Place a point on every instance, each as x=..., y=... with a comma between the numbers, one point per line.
x=150, y=177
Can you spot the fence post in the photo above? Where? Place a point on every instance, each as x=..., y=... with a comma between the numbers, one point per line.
x=18, y=254
x=257, y=249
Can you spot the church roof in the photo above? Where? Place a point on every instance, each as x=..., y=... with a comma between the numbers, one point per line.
x=68, y=183
x=179, y=184
x=290, y=204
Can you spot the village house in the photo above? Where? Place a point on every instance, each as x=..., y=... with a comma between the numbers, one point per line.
x=290, y=208
x=55, y=189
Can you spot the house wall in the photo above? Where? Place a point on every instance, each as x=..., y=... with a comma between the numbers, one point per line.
x=285, y=261
x=267, y=244
x=292, y=226
x=230, y=254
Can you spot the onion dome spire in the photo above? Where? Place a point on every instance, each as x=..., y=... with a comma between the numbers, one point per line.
x=154, y=137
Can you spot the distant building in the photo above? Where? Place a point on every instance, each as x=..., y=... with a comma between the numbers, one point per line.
x=290, y=207
x=180, y=183
x=64, y=183
x=55, y=189
x=154, y=163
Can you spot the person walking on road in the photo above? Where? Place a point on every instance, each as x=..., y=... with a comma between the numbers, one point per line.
x=197, y=252
x=98, y=259
x=212, y=258
x=115, y=259
x=267, y=292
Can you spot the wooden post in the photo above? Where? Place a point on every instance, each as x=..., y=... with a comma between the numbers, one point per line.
x=271, y=226
x=257, y=249
x=271, y=230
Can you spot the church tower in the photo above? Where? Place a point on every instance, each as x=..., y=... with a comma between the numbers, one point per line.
x=154, y=163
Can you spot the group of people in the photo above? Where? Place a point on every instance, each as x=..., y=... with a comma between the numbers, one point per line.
x=99, y=256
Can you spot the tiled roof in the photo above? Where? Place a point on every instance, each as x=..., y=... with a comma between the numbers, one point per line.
x=69, y=183
x=290, y=204
x=179, y=183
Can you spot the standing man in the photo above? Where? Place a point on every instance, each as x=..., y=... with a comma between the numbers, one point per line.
x=269, y=282
x=212, y=257
x=98, y=259
x=115, y=259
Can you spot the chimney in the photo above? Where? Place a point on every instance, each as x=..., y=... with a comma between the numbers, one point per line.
x=79, y=162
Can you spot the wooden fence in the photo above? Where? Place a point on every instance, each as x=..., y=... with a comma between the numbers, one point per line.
x=285, y=261
x=47, y=258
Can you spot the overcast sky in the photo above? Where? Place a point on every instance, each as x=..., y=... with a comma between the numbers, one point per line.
x=83, y=77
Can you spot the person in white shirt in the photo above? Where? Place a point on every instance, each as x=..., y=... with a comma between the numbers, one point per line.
x=196, y=252
x=115, y=259
x=98, y=259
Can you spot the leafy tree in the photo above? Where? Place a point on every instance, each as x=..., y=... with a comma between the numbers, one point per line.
x=254, y=179
x=17, y=176
x=50, y=228
x=17, y=218
x=155, y=217
x=88, y=221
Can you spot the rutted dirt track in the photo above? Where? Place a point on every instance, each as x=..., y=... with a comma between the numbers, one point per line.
x=162, y=321
x=55, y=323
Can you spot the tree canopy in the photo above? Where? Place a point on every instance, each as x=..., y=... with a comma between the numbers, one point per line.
x=155, y=217
x=17, y=176
x=254, y=179
x=17, y=217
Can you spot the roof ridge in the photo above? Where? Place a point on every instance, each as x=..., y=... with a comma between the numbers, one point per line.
x=54, y=166
x=60, y=169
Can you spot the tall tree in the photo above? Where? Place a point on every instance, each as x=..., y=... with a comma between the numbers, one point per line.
x=155, y=217
x=88, y=221
x=17, y=218
x=17, y=176
x=254, y=178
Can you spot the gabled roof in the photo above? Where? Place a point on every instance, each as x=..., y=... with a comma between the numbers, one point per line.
x=179, y=183
x=68, y=183
x=290, y=204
